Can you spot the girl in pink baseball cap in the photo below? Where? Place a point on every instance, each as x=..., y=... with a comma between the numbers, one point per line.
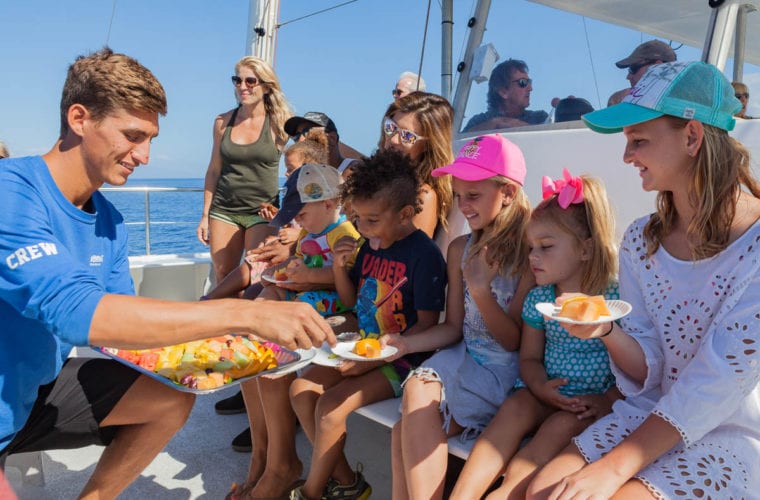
x=460, y=388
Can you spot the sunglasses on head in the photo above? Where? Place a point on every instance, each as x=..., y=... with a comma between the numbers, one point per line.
x=249, y=80
x=407, y=137
x=634, y=68
x=739, y=95
x=523, y=82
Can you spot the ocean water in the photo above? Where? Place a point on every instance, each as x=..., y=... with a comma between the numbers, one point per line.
x=174, y=216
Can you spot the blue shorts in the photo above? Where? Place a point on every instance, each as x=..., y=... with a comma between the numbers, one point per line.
x=325, y=302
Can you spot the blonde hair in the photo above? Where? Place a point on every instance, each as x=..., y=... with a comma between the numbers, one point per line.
x=592, y=220
x=4, y=153
x=104, y=82
x=721, y=168
x=276, y=105
x=313, y=148
x=740, y=87
x=436, y=117
x=506, y=243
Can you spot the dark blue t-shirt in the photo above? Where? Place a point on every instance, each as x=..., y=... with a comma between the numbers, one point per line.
x=416, y=259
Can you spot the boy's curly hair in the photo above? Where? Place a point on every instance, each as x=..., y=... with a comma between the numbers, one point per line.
x=387, y=175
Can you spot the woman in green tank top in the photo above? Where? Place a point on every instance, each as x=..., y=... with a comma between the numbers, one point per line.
x=244, y=166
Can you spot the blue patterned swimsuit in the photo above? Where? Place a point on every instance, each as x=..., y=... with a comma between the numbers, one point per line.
x=585, y=363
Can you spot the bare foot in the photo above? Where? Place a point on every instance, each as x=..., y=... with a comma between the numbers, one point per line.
x=272, y=483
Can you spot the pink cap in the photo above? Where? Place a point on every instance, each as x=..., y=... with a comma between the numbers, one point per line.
x=484, y=157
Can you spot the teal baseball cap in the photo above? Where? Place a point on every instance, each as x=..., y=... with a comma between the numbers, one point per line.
x=690, y=90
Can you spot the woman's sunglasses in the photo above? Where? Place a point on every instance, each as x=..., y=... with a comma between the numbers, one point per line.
x=407, y=137
x=249, y=80
x=739, y=95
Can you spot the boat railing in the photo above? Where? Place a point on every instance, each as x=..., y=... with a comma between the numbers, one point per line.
x=147, y=190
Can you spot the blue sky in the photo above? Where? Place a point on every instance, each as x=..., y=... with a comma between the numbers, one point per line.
x=343, y=62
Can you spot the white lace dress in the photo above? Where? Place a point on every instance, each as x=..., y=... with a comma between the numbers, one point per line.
x=699, y=326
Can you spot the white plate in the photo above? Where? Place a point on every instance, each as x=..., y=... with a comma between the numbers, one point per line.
x=325, y=357
x=307, y=355
x=271, y=279
x=618, y=309
x=335, y=321
x=346, y=350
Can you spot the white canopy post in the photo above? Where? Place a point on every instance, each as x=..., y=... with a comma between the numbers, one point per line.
x=262, y=29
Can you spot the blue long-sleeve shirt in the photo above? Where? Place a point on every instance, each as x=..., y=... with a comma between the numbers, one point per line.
x=56, y=263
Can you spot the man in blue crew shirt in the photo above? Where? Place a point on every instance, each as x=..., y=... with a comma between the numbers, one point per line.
x=64, y=281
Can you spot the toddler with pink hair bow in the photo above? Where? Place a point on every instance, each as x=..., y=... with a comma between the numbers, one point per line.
x=565, y=383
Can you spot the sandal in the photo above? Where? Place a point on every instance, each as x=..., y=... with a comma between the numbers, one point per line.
x=242, y=492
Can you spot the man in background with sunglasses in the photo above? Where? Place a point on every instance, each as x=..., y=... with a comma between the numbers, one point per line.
x=741, y=92
x=407, y=82
x=509, y=89
x=643, y=56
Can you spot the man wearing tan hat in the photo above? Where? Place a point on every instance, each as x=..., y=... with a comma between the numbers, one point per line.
x=645, y=55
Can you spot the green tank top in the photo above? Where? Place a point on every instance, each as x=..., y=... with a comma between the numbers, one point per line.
x=249, y=174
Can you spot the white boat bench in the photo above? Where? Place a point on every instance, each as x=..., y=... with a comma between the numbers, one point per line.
x=387, y=413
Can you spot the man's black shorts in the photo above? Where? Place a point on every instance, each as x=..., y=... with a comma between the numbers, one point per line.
x=68, y=411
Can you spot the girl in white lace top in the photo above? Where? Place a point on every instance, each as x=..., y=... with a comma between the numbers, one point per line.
x=687, y=357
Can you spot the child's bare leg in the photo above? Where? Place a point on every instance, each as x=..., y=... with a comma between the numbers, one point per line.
x=252, y=291
x=568, y=461
x=257, y=424
x=331, y=412
x=233, y=284
x=551, y=438
x=423, y=440
x=283, y=466
x=399, y=490
x=518, y=415
x=272, y=293
x=306, y=390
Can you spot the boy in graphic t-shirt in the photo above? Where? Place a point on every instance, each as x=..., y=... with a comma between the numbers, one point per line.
x=398, y=286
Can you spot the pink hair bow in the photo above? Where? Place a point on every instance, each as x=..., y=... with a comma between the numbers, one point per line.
x=569, y=189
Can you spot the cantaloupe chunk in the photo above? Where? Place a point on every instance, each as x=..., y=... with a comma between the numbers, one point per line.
x=584, y=308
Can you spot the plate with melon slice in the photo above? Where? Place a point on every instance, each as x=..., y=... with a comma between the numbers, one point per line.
x=278, y=277
x=363, y=350
x=585, y=310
